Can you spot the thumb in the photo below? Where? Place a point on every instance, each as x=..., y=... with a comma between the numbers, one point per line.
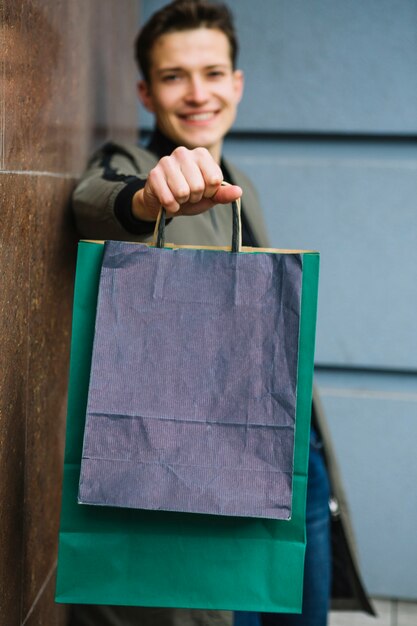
x=226, y=194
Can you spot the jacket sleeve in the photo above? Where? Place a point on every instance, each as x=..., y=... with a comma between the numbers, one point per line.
x=102, y=199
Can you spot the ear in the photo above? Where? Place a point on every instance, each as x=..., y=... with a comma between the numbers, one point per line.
x=239, y=82
x=145, y=95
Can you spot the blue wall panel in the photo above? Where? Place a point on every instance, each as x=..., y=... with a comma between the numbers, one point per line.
x=329, y=65
x=373, y=421
x=355, y=202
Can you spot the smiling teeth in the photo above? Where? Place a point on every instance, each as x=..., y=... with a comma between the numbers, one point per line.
x=200, y=117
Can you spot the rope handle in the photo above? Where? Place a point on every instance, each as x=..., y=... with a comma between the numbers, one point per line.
x=159, y=232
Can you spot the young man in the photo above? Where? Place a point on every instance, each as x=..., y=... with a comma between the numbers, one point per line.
x=187, y=55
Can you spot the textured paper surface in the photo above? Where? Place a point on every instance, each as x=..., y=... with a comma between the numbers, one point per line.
x=192, y=394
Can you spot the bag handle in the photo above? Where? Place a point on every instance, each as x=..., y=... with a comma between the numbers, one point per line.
x=159, y=232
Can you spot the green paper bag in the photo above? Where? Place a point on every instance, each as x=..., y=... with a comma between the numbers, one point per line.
x=168, y=559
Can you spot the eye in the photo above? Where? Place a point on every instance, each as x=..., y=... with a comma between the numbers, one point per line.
x=170, y=78
x=216, y=74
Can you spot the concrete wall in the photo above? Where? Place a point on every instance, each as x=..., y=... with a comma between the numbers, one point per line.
x=328, y=131
x=61, y=92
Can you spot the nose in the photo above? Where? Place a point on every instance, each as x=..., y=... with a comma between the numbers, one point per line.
x=197, y=91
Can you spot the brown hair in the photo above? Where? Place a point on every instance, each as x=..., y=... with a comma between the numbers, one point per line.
x=184, y=15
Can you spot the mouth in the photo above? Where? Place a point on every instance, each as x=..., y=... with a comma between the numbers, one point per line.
x=198, y=118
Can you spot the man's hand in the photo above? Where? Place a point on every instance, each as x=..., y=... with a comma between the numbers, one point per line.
x=187, y=182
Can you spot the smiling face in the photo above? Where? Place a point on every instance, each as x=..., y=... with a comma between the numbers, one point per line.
x=193, y=90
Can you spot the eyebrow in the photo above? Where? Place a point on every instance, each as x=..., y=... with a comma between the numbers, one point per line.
x=182, y=69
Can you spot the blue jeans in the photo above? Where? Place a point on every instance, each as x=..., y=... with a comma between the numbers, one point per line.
x=317, y=568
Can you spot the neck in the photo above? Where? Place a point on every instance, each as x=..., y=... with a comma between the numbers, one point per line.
x=160, y=144
x=216, y=153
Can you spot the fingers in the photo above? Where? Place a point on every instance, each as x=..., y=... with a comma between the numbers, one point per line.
x=186, y=177
x=210, y=170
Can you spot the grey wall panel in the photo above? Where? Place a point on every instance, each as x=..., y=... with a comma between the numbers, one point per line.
x=316, y=66
x=373, y=421
x=326, y=65
x=356, y=204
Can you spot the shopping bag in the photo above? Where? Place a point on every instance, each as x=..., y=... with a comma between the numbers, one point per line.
x=193, y=383
x=126, y=556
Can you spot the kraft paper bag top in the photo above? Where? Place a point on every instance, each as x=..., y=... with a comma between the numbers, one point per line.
x=193, y=386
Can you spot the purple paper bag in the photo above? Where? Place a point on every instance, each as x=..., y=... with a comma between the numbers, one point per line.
x=193, y=382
